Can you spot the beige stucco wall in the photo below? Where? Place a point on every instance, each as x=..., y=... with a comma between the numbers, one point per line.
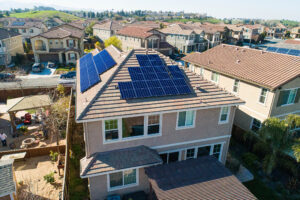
x=102, y=34
x=13, y=45
x=130, y=42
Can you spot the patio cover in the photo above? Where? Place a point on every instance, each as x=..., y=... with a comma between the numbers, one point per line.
x=7, y=184
x=28, y=102
x=201, y=178
x=109, y=161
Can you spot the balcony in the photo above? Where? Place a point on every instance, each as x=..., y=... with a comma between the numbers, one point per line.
x=189, y=42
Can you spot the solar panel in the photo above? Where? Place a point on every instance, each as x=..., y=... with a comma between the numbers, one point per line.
x=282, y=50
x=103, y=61
x=88, y=73
x=294, y=52
x=18, y=23
x=100, y=64
x=272, y=49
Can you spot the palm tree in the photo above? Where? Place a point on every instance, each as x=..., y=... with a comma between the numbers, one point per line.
x=279, y=135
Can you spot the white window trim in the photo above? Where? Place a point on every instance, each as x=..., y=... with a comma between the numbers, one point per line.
x=288, y=104
x=120, y=131
x=266, y=98
x=172, y=151
x=238, y=86
x=218, y=77
x=109, y=189
x=186, y=127
x=228, y=115
x=252, y=124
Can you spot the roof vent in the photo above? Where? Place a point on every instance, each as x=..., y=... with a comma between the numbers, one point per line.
x=238, y=61
x=244, y=50
x=209, y=62
x=237, y=48
x=223, y=45
x=262, y=51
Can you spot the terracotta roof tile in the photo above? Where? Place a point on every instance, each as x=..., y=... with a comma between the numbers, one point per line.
x=136, y=31
x=266, y=69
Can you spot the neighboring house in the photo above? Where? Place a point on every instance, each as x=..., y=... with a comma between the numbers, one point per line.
x=63, y=44
x=8, y=188
x=185, y=38
x=52, y=22
x=134, y=37
x=276, y=32
x=236, y=33
x=295, y=32
x=106, y=29
x=10, y=45
x=26, y=28
x=250, y=32
x=167, y=146
x=213, y=35
x=268, y=82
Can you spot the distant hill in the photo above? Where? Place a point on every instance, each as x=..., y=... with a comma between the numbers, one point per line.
x=46, y=14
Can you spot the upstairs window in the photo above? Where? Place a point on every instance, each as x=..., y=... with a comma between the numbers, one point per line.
x=31, y=30
x=71, y=43
x=236, y=84
x=132, y=126
x=201, y=71
x=215, y=77
x=224, y=115
x=263, y=95
x=287, y=97
x=153, y=124
x=186, y=119
x=111, y=130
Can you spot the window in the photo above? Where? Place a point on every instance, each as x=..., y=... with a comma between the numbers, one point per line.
x=111, y=130
x=122, y=179
x=190, y=153
x=71, y=43
x=31, y=30
x=24, y=30
x=170, y=157
x=235, y=88
x=263, y=95
x=133, y=126
x=287, y=97
x=72, y=56
x=217, y=151
x=224, y=115
x=215, y=77
x=56, y=41
x=256, y=124
x=185, y=119
x=153, y=124
x=201, y=71
x=203, y=151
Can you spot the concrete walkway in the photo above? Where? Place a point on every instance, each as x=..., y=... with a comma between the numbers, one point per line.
x=244, y=175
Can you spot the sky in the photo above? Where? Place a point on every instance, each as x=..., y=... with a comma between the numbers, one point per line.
x=259, y=9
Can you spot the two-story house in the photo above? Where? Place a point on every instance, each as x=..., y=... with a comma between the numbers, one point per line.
x=250, y=32
x=133, y=37
x=61, y=44
x=154, y=127
x=27, y=28
x=295, y=32
x=277, y=31
x=106, y=29
x=268, y=82
x=10, y=45
x=185, y=38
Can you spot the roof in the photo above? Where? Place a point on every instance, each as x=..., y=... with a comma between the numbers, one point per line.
x=109, y=25
x=28, y=102
x=7, y=34
x=6, y=178
x=136, y=31
x=292, y=42
x=104, y=100
x=25, y=24
x=179, y=29
x=104, y=162
x=62, y=31
x=266, y=69
x=201, y=178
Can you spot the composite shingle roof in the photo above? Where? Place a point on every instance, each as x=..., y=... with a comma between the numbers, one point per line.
x=7, y=184
x=4, y=34
x=201, y=178
x=104, y=100
x=104, y=162
x=266, y=69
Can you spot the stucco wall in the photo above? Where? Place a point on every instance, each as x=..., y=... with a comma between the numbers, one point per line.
x=130, y=42
x=13, y=45
x=102, y=34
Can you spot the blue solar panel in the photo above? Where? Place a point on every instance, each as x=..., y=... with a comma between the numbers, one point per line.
x=103, y=61
x=294, y=52
x=163, y=75
x=156, y=92
x=153, y=84
x=142, y=57
x=150, y=76
x=142, y=93
x=282, y=50
x=272, y=49
x=18, y=23
x=137, y=77
x=127, y=90
x=170, y=90
x=153, y=57
x=174, y=68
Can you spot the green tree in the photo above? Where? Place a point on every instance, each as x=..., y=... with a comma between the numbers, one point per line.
x=26, y=47
x=113, y=41
x=287, y=34
x=89, y=29
x=7, y=13
x=279, y=136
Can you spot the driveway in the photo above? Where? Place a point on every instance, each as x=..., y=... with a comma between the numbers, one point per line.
x=45, y=72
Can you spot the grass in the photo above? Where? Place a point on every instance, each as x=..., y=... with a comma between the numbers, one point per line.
x=260, y=190
x=46, y=14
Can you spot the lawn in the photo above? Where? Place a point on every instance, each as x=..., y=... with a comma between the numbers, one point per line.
x=46, y=14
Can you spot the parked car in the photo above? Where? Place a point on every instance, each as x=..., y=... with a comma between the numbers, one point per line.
x=7, y=76
x=51, y=65
x=37, y=67
x=70, y=74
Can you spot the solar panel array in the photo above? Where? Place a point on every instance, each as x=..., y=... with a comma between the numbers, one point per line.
x=153, y=79
x=92, y=66
x=293, y=52
x=18, y=23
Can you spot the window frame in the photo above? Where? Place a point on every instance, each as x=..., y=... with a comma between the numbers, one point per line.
x=290, y=89
x=266, y=96
x=146, y=125
x=252, y=124
x=218, y=77
x=228, y=115
x=109, y=189
x=211, y=152
x=236, y=86
x=185, y=126
x=172, y=151
x=104, y=131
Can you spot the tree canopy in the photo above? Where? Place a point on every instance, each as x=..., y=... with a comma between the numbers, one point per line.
x=113, y=41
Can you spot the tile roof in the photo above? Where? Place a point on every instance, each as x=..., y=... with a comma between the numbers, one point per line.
x=104, y=162
x=6, y=178
x=104, y=99
x=180, y=29
x=27, y=24
x=201, y=178
x=292, y=42
x=7, y=34
x=109, y=25
x=266, y=69
x=62, y=31
x=136, y=31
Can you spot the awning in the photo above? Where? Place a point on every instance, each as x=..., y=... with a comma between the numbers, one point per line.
x=201, y=178
x=106, y=162
x=28, y=102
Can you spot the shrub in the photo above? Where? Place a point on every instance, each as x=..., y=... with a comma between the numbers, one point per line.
x=261, y=149
x=49, y=178
x=73, y=69
x=250, y=160
x=232, y=164
x=53, y=155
